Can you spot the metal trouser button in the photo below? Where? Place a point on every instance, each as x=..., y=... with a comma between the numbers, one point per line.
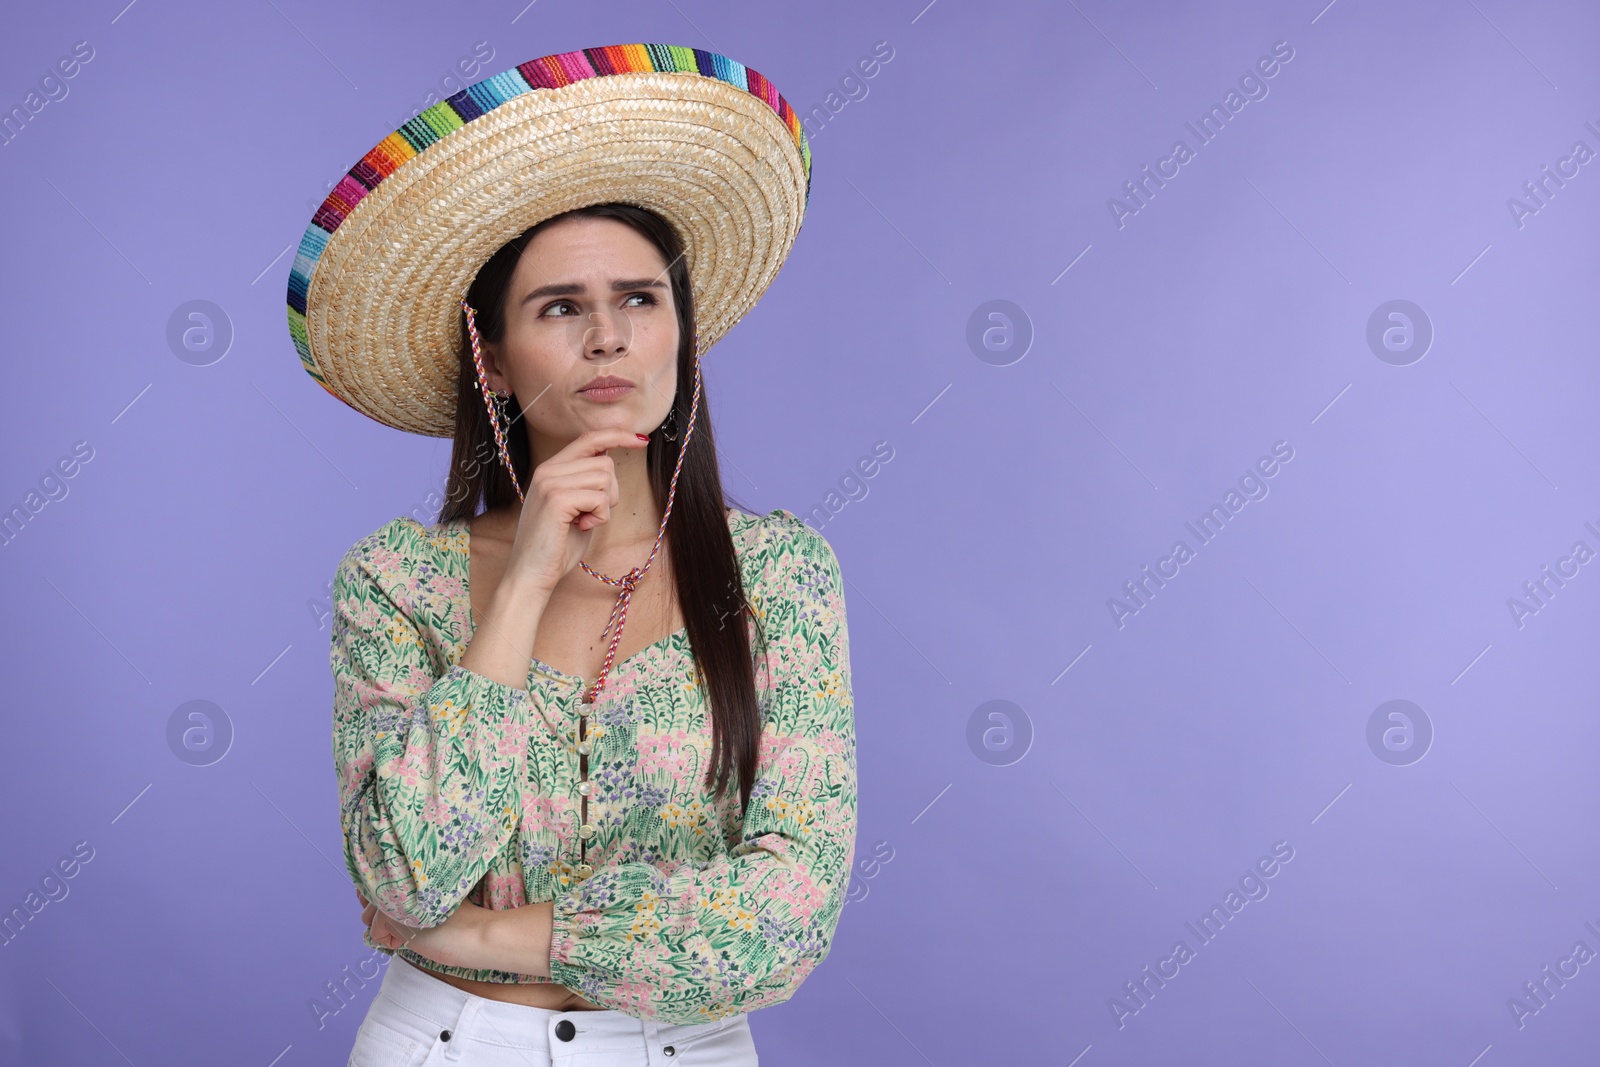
x=565, y=1030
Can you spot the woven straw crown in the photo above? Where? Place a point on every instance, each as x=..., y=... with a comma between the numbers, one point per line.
x=704, y=141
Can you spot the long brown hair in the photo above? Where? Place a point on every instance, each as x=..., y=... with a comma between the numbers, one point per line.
x=705, y=567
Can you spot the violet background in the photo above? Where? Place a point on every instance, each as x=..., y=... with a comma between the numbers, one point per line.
x=187, y=558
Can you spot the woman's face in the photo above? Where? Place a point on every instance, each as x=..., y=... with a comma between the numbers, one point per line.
x=590, y=299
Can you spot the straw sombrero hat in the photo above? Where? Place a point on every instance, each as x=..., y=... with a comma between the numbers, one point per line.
x=704, y=141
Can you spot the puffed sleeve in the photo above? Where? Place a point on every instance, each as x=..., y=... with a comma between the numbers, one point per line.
x=703, y=941
x=429, y=761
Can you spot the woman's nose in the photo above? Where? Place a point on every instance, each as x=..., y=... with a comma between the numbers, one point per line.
x=607, y=334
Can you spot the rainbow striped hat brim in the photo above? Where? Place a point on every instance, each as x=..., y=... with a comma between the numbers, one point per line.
x=702, y=140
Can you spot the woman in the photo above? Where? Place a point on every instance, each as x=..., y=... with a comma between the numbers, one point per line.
x=617, y=869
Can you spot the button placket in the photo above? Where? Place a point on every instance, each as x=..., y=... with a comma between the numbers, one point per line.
x=585, y=788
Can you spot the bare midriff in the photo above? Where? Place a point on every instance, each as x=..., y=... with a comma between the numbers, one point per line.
x=549, y=995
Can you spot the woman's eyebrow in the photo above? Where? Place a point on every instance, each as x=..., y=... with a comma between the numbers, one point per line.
x=575, y=288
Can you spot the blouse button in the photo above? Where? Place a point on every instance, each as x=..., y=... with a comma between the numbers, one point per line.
x=584, y=787
x=586, y=831
x=584, y=870
x=584, y=748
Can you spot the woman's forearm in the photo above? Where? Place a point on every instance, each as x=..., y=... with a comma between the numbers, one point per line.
x=502, y=640
x=477, y=938
x=514, y=939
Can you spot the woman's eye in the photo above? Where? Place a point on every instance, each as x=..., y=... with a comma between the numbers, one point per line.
x=648, y=299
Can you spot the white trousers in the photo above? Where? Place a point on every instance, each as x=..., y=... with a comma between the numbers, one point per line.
x=416, y=1020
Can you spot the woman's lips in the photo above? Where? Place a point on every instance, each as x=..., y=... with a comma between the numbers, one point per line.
x=607, y=392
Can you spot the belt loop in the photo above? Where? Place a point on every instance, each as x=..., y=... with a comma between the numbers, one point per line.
x=456, y=1044
x=652, y=1043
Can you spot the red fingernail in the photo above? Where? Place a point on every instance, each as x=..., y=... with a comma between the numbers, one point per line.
x=642, y=436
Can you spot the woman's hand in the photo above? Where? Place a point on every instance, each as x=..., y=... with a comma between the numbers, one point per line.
x=457, y=942
x=570, y=494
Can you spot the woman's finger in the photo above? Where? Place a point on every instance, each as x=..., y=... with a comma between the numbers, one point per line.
x=381, y=933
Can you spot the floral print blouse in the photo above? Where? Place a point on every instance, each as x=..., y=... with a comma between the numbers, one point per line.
x=456, y=787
